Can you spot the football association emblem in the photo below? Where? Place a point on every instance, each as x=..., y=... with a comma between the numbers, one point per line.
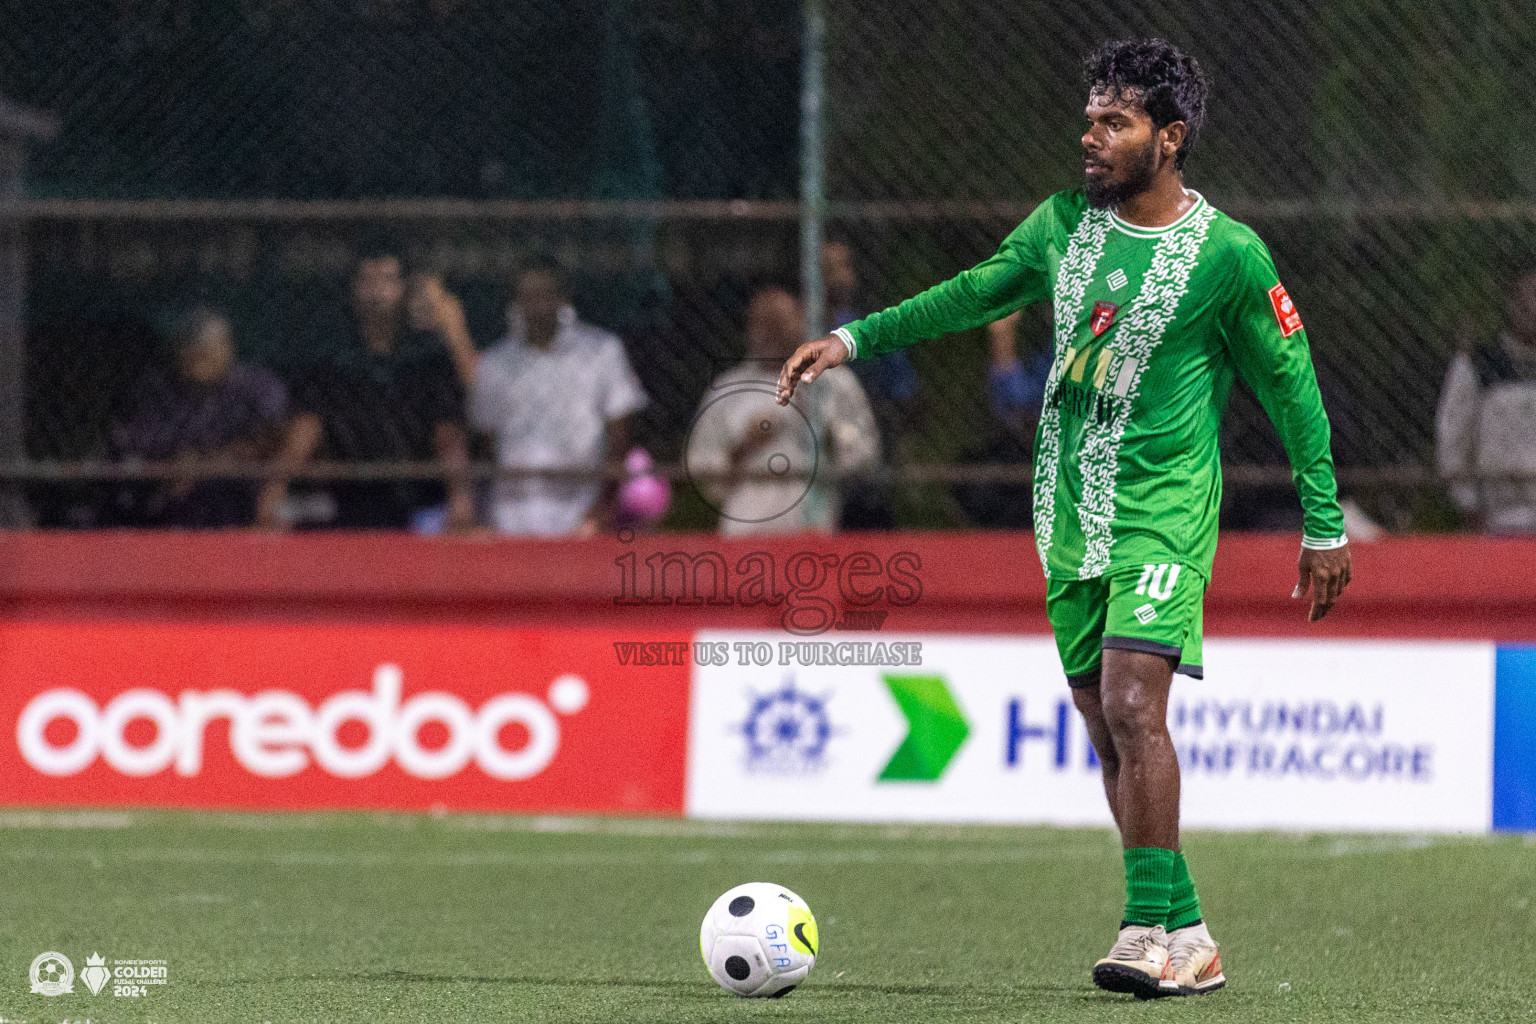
x=52, y=975
x=1285, y=311
x=95, y=974
x=1103, y=317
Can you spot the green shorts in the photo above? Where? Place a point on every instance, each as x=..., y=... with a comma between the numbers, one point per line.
x=1154, y=608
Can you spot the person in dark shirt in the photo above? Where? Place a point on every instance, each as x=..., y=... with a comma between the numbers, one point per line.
x=1015, y=389
x=890, y=382
x=389, y=389
x=210, y=409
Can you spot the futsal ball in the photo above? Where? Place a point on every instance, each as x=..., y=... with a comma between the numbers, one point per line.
x=759, y=939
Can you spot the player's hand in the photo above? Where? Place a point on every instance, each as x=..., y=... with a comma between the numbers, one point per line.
x=1325, y=574
x=810, y=361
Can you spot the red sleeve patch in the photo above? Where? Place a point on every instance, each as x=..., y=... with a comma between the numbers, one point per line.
x=1285, y=311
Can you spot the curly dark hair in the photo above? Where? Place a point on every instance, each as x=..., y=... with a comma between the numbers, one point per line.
x=1167, y=82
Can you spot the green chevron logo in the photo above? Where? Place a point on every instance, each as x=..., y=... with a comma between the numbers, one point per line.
x=935, y=729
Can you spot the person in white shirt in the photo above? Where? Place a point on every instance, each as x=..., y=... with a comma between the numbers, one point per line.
x=555, y=393
x=1485, y=427
x=763, y=466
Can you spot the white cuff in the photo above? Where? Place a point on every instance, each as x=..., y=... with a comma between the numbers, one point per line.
x=1324, y=543
x=843, y=335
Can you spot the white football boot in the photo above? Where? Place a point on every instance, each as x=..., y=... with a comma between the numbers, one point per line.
x=1194, y=963
x=1136, y=963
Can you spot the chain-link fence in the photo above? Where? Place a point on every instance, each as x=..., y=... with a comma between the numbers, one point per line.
x=247, y=154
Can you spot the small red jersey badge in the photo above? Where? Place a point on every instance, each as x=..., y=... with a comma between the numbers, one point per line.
x=1103, y=316
x=1285, y=311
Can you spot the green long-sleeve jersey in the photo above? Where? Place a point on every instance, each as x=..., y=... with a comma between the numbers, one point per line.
x=1151, y=325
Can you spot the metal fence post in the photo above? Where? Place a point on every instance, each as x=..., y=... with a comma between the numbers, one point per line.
x=19, y=127
x=813, y=199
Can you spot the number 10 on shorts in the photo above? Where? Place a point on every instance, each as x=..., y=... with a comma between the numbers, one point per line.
x=1157, y=580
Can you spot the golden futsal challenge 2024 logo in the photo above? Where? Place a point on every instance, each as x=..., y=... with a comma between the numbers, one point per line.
x=53, y=974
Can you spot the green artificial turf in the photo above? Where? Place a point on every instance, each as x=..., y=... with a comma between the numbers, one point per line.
x=357, y=917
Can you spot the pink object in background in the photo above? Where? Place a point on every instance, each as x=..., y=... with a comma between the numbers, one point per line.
x=643, y=498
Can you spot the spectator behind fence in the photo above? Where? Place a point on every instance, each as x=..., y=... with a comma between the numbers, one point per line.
x=1015, y=388
x=1486, y=424
x=386, y=386
x=555, y=394
x=742, y=430
x=889, y=382
x=209, y=409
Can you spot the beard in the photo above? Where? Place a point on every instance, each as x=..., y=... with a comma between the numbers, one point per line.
x=1139, y=170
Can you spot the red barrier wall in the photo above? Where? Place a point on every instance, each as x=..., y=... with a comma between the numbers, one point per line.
x=1461, y=587
x=292, y=715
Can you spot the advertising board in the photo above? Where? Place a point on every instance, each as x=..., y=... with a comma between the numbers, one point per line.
x=1339, y=735
x=287, y=715
x=1313, y=735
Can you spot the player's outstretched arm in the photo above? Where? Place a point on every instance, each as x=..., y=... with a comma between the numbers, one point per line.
x=1325, y=574
x=1013, y=277
x=810, y=361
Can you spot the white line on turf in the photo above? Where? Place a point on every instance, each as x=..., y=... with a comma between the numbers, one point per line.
x=66, y=819
x=1350, y=845
x=321, y=859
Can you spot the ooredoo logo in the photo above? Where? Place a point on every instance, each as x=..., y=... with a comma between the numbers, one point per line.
x=277, y=733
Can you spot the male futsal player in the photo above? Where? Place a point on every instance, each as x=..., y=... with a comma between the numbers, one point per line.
x=1159, y=300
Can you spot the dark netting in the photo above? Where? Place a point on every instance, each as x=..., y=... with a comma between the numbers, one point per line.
x=1382, y=150
x=245, y=154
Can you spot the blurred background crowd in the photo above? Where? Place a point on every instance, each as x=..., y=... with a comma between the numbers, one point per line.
x=453, y=265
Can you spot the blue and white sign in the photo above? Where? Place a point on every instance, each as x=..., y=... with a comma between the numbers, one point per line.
x=1310, y=735
x=1337, y=735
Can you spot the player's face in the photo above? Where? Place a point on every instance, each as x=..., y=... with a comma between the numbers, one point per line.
x=1121, y=148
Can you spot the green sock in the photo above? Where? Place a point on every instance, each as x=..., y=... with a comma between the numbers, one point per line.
x=1183, y=901
x=1148, y=880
